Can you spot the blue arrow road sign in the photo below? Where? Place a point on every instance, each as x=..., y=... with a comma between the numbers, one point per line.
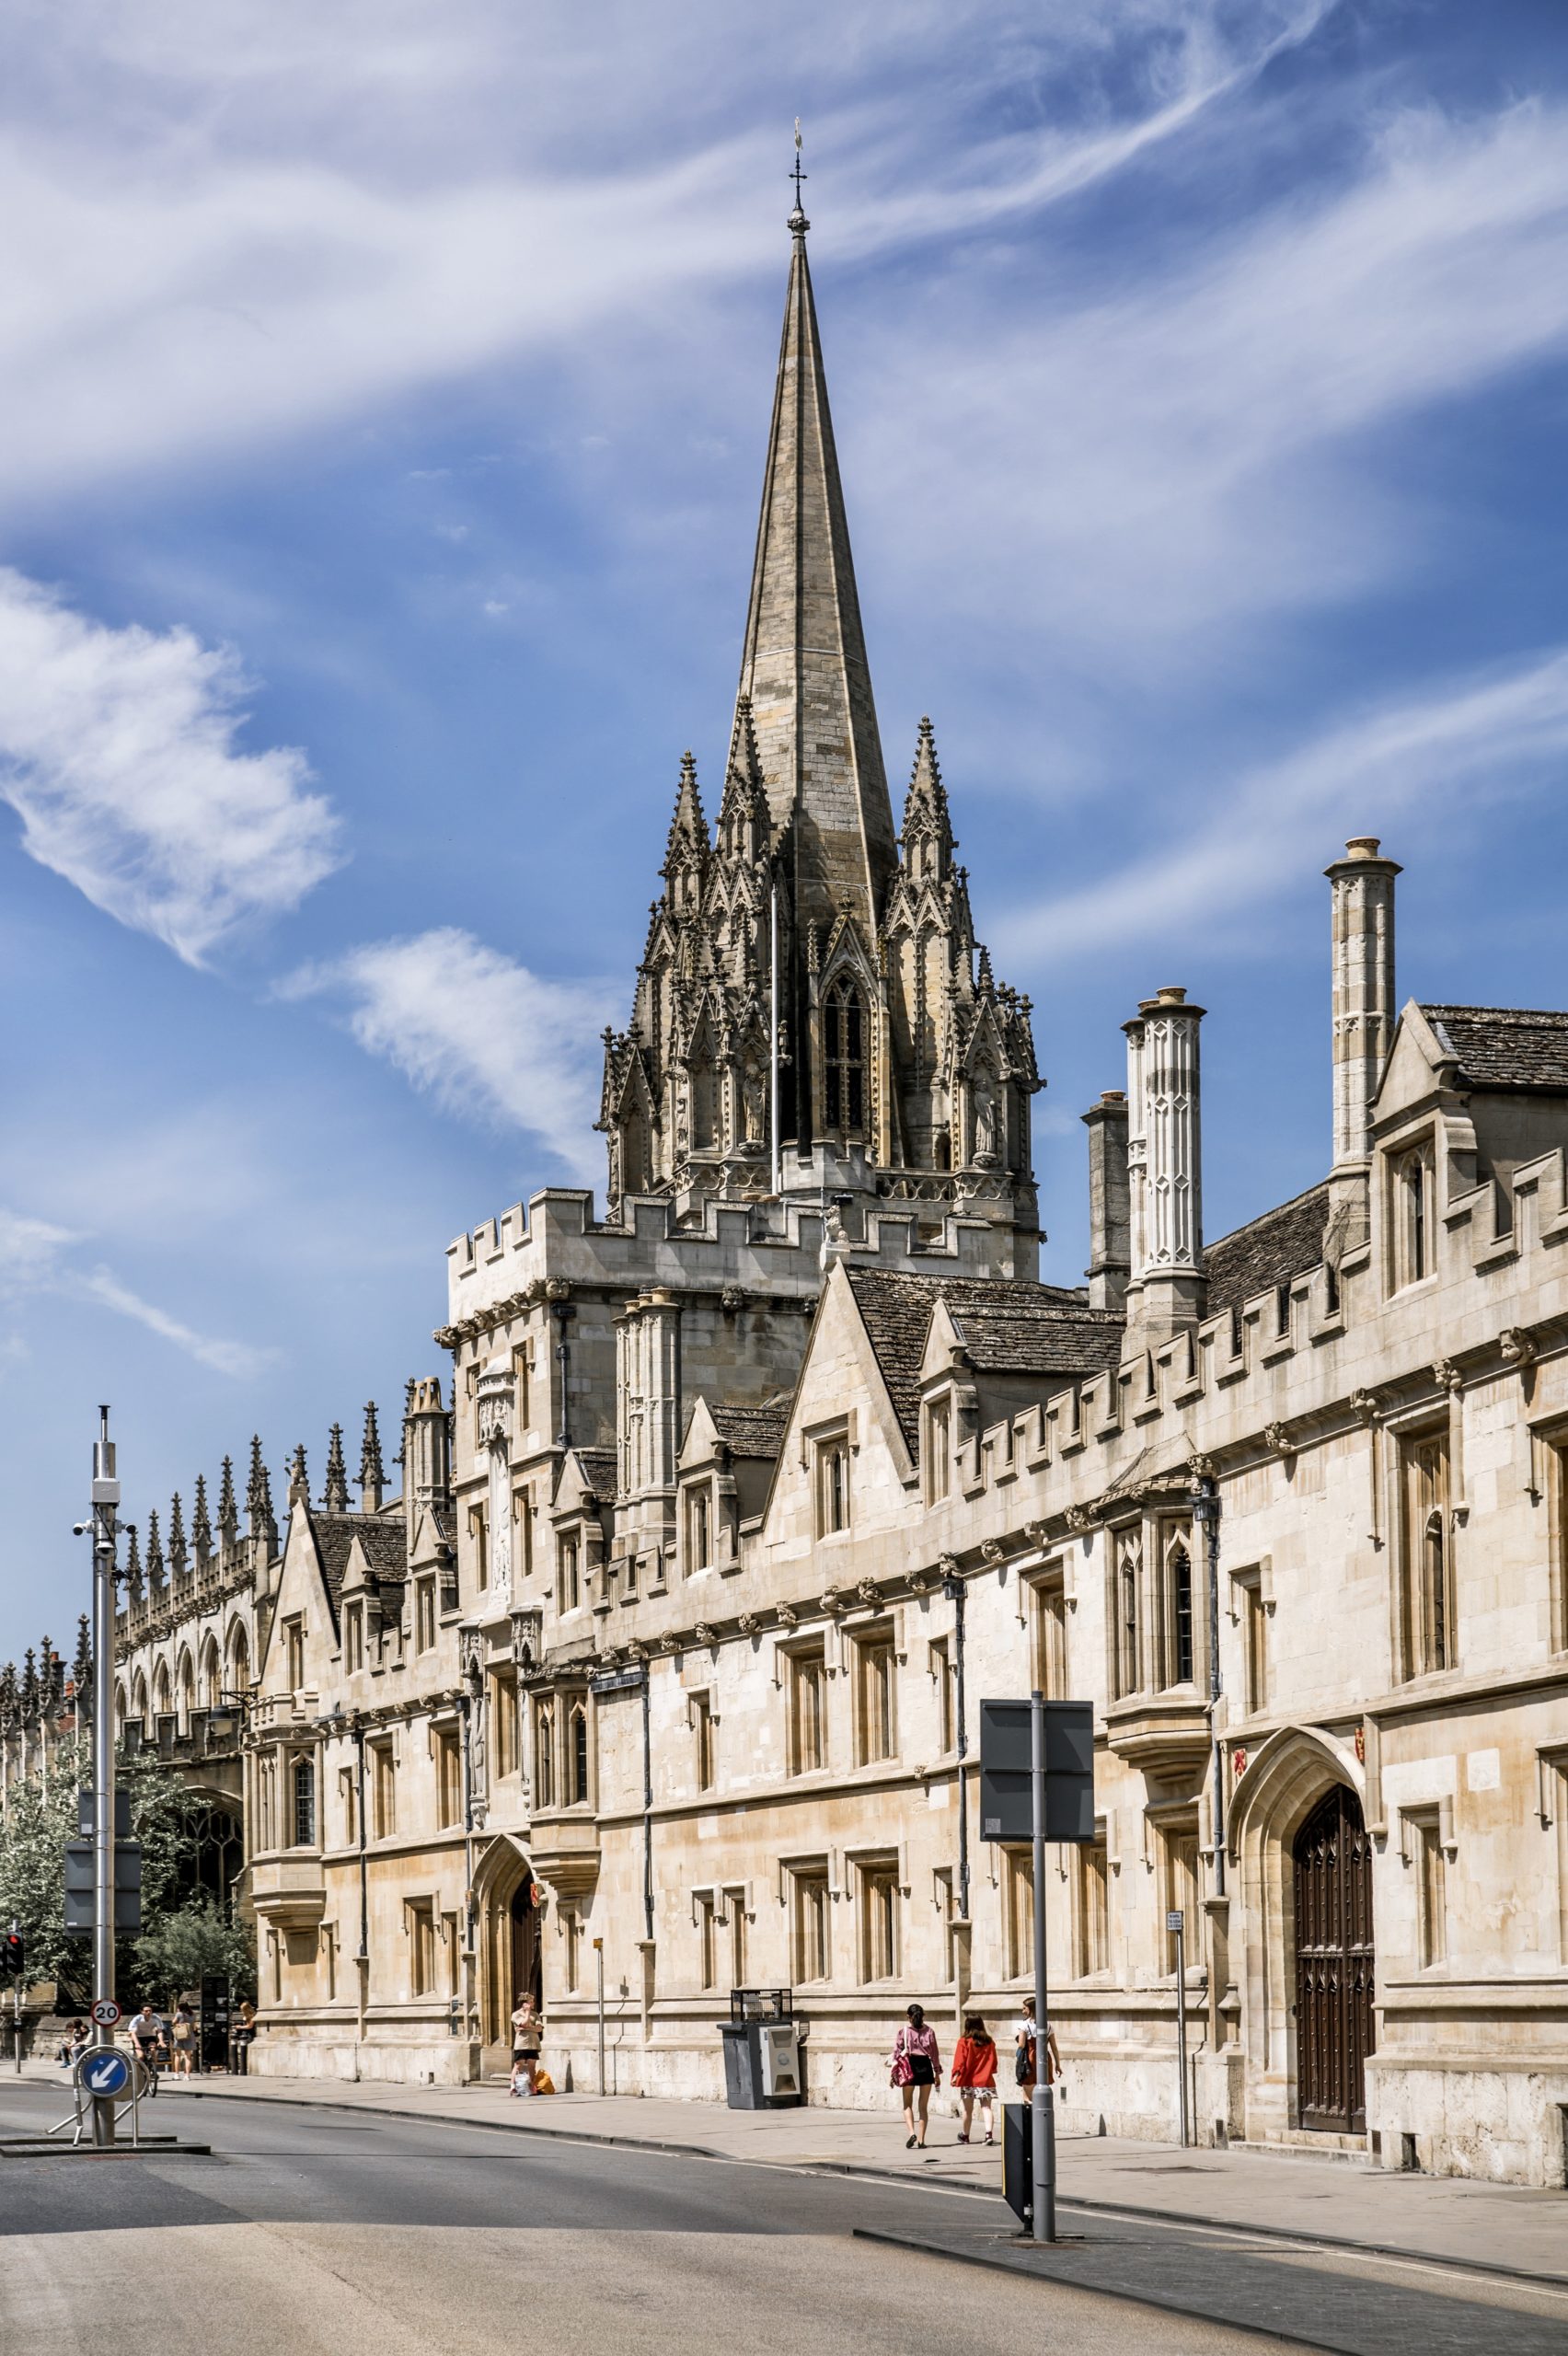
x=105, y=2072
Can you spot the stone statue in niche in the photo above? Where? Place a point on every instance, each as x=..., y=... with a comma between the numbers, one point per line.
x=754, y=1103
x=985, y=1101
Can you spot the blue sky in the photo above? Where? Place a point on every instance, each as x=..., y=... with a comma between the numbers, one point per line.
x=380, y=442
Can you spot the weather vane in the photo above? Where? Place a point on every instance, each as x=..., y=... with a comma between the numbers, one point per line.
x=797, y=175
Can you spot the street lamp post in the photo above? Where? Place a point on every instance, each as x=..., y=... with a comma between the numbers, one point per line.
x=105, y=1503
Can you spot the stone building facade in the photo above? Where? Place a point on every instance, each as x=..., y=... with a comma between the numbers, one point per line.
x=744, y=1494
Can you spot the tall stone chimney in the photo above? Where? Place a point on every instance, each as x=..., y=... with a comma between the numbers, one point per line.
x=1164, y=1165
x=1109, y=1260
x=1363, y=889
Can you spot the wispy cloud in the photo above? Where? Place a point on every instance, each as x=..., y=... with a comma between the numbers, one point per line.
x=484, y=1036
x=36, y=1256
x=119, y=750
x=299, y=220
x=1194, y=456
x=1479, y=739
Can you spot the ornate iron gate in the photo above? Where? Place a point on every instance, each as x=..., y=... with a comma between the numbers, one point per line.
x=1335, y=1965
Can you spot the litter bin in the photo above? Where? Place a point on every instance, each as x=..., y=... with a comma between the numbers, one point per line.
x=762, y=2051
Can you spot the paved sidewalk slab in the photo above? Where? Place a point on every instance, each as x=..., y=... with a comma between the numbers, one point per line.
x=1330, y=2300
x=1443, y=2218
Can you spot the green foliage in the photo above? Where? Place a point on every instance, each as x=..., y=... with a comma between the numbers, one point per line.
x=178, y=1930
x=39, y=1821
x=190, y=1941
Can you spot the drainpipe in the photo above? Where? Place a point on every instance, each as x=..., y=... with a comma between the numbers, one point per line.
x=564, y=1312
x=362, y=1961
x=647, y=1806
x=952, y=1587
x=1205, y=1513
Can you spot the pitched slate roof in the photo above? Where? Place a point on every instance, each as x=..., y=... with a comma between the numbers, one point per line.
x=1269, y=1251
x=598, y=1469
x=1006, y=1326
x=385, y=1546
x=749, y=1431
x=1504, y=1046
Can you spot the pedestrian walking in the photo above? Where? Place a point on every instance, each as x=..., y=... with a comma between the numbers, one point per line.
x=974, y=2076
x=1026, y=2063
x=147, y=2037
x=917, y=2068
x=527, y=2033
x=243, y=2038
x=182, y=2037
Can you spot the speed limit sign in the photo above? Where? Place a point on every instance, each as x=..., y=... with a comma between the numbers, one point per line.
x=106, y=2012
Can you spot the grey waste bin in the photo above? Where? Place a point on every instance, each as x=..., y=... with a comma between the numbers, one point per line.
x=762, y=2057
x=743, y=2067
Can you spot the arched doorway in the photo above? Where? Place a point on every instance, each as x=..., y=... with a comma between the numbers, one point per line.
x=1335, y=1965
x=510, y=1954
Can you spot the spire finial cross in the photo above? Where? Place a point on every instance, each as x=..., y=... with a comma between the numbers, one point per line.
x=797, y=175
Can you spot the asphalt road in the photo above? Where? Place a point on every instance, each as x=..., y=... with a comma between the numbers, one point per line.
x=314, y=2230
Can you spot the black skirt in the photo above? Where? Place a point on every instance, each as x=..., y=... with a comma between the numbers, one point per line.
x=921, y=2074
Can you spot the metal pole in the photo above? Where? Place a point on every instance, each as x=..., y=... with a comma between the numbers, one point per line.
x=954, y=1588
x=1042, y=2121
x=106, y=1498
x=773, y=1025
x=1176, y=1921
x=1208, y=1511
x=599, y=1965
x=17, y=2012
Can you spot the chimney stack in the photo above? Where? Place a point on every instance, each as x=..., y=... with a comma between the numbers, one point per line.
x=1363, y=902
x=1164, y=1165
x=1109, y=1202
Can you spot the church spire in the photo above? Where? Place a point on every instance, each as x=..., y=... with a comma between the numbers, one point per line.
x=803, y=664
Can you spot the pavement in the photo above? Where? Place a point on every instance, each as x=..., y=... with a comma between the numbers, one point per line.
x=1504, y=2227
x=357, y=2226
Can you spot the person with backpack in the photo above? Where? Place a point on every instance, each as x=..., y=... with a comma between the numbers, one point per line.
x=974, y=2074
x=1026, y=2062
x=917, y=2068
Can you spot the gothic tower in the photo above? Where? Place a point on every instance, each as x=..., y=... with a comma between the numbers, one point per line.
x=802, y=954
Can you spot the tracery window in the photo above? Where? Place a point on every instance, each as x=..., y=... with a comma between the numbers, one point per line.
x=844, y=1056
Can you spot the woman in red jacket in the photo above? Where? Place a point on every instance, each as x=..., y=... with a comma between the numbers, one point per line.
x=975, y=2073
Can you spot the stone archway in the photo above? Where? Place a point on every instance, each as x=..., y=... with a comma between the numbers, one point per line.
x=508, y=1925
x=1288, y=1777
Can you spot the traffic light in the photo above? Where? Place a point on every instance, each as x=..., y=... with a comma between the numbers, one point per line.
x=11, y=1955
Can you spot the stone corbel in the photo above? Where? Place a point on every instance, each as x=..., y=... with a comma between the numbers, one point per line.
x=1081, y=1520
x=1450, y=1380
x=1277, y=1437
x=1368, y=1407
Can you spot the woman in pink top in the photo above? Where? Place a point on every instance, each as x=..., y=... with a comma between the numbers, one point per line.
x=917, y=2068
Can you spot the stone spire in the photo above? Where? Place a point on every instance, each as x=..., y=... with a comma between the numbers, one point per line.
x=372, y=1472
x=155, y=1553
x=82, y=1667
x=202, y=1525
x=926, y=839
x=803, y=662
x=335, y=1496
x=299, y=1478
x=133, y=1564
x=228, y=1512
x=258, y=1513
x=178, y=1555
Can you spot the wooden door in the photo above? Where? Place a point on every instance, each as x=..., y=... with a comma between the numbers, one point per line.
x=1335, y=1965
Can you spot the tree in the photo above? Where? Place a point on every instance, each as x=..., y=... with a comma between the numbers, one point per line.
x=176, y=1922
x=183, y=1945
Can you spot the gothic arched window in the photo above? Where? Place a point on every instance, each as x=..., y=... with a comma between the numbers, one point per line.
x=844, y=1056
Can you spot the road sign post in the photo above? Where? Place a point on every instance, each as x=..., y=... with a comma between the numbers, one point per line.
x=1175, y=1922
x=1037, y=1784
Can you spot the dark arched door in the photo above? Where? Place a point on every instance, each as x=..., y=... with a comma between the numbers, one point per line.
x=1335, y=1966
x=524, y=1951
